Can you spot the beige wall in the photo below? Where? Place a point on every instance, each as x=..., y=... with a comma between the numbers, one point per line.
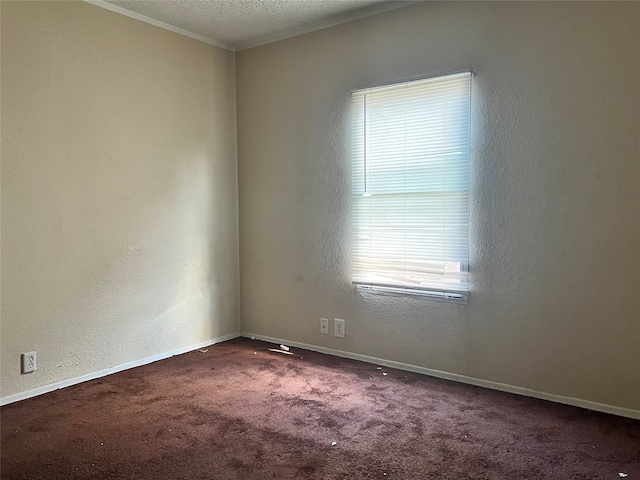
x=555, y=228
x=119, y=195
x=119, y=191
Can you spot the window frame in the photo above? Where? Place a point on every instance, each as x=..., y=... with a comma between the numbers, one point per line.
x=451, y=295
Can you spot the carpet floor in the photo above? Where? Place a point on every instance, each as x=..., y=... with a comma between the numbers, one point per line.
x=240, y=411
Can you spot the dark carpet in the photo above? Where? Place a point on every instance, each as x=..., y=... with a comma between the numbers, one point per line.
x=239, y=411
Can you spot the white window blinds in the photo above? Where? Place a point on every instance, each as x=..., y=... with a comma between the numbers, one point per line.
x=411, y=185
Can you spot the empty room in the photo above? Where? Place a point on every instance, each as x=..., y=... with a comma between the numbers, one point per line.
x=323, y=239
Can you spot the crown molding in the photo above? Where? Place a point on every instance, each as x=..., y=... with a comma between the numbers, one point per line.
x=340, y=19
x=158, y=23
x=344, y=18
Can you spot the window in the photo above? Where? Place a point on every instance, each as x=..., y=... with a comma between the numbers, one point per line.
x=411, y=187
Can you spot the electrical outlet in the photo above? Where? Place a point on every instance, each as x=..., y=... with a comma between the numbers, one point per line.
x=339, y=328
x=29, y=362
x=324, y=326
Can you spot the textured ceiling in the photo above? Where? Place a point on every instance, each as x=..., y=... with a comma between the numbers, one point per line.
x=239, y=24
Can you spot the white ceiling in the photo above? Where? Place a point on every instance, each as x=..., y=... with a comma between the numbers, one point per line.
x=240, y=24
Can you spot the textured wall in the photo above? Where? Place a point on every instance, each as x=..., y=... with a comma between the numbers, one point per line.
x=555, y=227
x=119, y=191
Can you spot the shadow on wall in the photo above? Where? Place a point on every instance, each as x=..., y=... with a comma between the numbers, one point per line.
x=156, y=276
x=127, y=271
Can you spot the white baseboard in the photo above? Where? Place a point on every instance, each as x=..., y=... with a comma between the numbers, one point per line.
x=576, y=402
x=599, y=407
x=108, y=371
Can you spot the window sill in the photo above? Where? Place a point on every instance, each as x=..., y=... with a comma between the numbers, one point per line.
x=438, y=296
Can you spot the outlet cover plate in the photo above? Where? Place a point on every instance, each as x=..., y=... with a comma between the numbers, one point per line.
x=324, y=326
x=29, y=363
x=339, y=328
